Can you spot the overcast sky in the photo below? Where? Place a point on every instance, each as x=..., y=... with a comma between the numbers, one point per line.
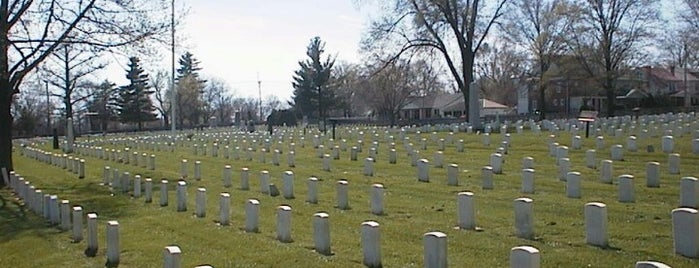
x=236, y=40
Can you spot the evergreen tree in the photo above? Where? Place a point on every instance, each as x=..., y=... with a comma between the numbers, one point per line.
x=102, y=103
x=134, y=104
x=190, y=87
x=312, y=96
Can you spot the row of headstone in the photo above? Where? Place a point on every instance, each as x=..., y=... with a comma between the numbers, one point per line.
x=74, y=165
x=65, y=216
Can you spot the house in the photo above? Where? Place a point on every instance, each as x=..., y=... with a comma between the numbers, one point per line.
x=449, y=105
x=674, y=83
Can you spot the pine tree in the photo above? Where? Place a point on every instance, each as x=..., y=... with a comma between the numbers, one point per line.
x=190, y=87
x=134, y=102
x=311, y=81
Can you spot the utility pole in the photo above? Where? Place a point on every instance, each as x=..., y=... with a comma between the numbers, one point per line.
x=687, y=100
x=173, y=101
x=259, y=89
x=48, y=110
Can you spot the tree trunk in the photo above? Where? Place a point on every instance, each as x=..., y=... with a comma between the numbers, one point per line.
x=609, y=89
x=5, y=127
x=542, y=100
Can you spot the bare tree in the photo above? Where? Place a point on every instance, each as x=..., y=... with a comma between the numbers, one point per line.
x=609, y=36
x=498, y=69
x=389, y=88
x=67, y=68
x=217, y=101
x=269, y=104
x=160, y=82
x=32, y=30
x=540, y=26
x=454, y=30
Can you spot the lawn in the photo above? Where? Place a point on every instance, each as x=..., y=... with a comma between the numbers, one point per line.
x=638, y=231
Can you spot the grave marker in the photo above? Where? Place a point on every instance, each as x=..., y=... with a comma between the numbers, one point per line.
x=284, y=224
x=252, y=211
x=596, y=224
x=466, y=213
x=321, y=233
x=435, y=250
x=524, y=219
x=685, y=231
x=371, y=244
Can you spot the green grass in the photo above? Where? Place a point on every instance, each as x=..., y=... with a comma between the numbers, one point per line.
x=638, y=231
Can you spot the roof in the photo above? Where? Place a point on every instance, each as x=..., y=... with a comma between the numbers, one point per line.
x=447, y=102
x=668, y=74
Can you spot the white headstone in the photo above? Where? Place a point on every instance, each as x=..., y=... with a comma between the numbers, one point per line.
x=65, y=215
x=326, y=162
x=92, y=245
x=137, y=186
x=181, y=196
x=252, y=211
x=653, y=174
x=487, y=177
x=527, y=181
x=312, y=185
x=321, y=233
x=525, y=257
x=651, y=264
x=264, y=182
x=183, y=168
x=81, y=169
x=668, y=144
x=591, y=158
x=284, y=224
x=626, y=189
x=453, y=175
x=77, y=224
x=377, y=199
x=288, y=184
x=599, y=143
x=689, y=192
x=227, y=176
x=342, y=195
x=528, y=162
x=573, y=181
x=149, y=190
x=113, y=243
x=244, y=179
x=371, y=244
x=465, y=211
x=673, y=163
x=369, y=167
x=439, y=159
x=596, y=224
x=496, y=161
x=125, y=182
x=423, y=170
x=563, y=168
x=435, y=250
x=163, y=193
x=606, y=171
x=105, y=176
x=172, y=257
x=224, y=209
x=685, y=230
x=617, y=152
x=631, y=144
x=201, y=202
x=524, y=218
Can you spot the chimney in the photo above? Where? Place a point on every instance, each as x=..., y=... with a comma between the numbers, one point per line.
x=672, y=70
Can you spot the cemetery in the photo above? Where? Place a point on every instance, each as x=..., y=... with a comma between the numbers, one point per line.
x=517, y=194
